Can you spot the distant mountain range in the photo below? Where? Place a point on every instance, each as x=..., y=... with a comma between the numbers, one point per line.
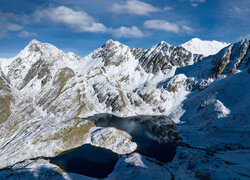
x=47, y=98
x=197, y=46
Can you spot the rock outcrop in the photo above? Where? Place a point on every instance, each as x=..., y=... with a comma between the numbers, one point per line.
x=47, y=98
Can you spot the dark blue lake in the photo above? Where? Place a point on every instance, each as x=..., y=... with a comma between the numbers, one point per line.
x=87, y=160
x=141, y=134
x=98, y=162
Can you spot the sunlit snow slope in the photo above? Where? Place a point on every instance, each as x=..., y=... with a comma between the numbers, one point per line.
x=206, y=48
x=47, y=97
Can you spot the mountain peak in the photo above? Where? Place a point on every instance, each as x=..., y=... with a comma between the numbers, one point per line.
x=33, y=45
x=244, y=40
x=163, y=43
x=37, y=46
x=195, y=39
x=111, y=42
x=198, y=46
x=34, y=41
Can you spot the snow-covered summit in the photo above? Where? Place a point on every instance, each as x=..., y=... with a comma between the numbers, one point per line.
x=111, y=42
x=198, y=46
x=47, y=97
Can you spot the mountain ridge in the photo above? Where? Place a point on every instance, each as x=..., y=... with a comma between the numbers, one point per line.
x=35, y=41
x=49, y=96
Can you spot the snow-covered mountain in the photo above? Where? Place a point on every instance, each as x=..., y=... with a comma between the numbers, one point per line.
x=197, y=46
x=47, y=98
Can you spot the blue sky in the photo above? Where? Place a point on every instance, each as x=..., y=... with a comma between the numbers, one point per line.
x=81, y=26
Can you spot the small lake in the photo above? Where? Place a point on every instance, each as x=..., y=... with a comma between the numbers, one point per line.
x=87, y=160
x=141, y=134
x=98, y=162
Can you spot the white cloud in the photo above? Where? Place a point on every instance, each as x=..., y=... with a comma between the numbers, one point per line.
x=10, y=22
x=161, y=25
x=134, y=7
x=3, y=34
x=167, y=8
x=5, y=16
x=241, y=10
x=25, y=34
x=187, y=29
x=6, y=23
x=133, y=31
x=195, y=3
x=13, y=27
x=184, y=27
x=78, y=21
x=22, y=18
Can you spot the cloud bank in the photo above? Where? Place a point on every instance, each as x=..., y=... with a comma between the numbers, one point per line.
x=78, y=21
x=163, y=25
x=121, y=32
x=134, y=7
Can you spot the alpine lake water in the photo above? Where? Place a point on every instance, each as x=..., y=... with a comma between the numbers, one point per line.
x=99, y=162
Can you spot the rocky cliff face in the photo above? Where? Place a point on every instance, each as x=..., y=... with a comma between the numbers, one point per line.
x=233, y=58
x=163, y=57
x=46, y=97
x=5, y=98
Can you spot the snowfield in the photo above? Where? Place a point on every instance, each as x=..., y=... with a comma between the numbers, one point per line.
x=47, y=98
x=207, y=48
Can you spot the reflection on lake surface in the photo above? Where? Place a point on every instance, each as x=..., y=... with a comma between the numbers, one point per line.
x=156, y=137
x=142, y=134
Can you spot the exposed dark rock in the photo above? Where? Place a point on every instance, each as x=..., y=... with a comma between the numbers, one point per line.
x=231, y=58
x=164, y=56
